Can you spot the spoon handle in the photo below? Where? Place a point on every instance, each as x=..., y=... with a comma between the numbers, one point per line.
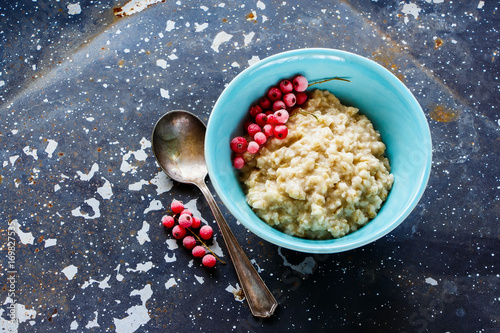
x=260, y=300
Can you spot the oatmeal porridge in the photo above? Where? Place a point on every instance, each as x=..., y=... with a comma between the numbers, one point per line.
x=327, y=178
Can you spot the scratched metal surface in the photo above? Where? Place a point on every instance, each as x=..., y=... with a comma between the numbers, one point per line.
x=80, y=90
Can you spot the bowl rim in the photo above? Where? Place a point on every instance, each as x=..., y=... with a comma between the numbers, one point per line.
x=324, y=246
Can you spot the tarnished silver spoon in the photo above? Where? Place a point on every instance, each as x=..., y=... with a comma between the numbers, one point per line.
x=178, y=145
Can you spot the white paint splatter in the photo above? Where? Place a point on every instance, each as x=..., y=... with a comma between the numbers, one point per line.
x=480, y=5
x=164, y=93
x=173, y=56
x=220, y=38
x=248, y=37
x=261, y=5
x=172, y=244
x=253, y=16
x=93, y=323
x=170, y=25
x=119, y=277
x=106, y=190
x=305, y=267
x=50, y=242
x=2, y=83
x=137, y=186
x=215, y=247
x=35, y=172
x=253, y=60
x=24, y=237
x=94, y=204
x=74, y=325
x=200, y=27
x=161, y=63
x=51, y=147
x=30, y=152
x=138, y=315
x=74, y=8
x=23, y=314
x=70, y=271
x=162, y=182
x=254, y=262
x=200, y=279
x=410, y=9
x=154, y=205
x=135, y=6
x=139, y=155
x=101, y=284
x=191, y=206
x=235, y=64
x=142, y=268
x=88, y=176
x=236, y=291
x=204, y=8
x=170, y=283
x=170, y=259
x=142, y=235
x=431, y=281
x=13, y=159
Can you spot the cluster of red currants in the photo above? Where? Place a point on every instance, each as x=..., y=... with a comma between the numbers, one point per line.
x=269, y=117
x=183, y=221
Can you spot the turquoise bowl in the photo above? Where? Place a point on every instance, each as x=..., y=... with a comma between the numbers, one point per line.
x=380, y=95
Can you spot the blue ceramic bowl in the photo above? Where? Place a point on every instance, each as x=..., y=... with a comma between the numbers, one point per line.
x=382, y=97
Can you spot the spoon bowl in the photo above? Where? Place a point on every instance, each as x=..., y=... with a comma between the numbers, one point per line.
x=178, y=145
x=178, y=141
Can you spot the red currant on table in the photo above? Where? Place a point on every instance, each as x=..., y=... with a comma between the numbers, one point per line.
x=178, y=232
x=198, y=251
x=167, y=221
x=177, y=207
x=185, y=220
x=208, y=261
x=189, y=242
x=196, y=222
x=206, y=232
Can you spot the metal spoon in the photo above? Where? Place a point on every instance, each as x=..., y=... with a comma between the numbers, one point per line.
x=178, y=140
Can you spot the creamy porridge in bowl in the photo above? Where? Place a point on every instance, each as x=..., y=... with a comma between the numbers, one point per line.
x=387, y=179
x=327, y=178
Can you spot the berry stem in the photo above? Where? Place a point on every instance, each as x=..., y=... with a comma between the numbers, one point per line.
x=298, y=110
x=326, y=80
x=205, y=245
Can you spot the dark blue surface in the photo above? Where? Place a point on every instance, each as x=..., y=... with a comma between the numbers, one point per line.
x=95, y=84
